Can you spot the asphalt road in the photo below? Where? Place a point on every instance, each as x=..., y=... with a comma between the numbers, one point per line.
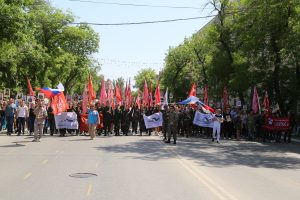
x=144, y=168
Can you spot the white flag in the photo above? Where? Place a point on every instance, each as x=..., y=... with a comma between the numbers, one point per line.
x=203, y=120
x=165, y=102
x=154, y=120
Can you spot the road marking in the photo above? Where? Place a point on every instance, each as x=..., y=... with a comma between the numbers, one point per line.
x=45, y=162
x=202, y=177
x=89, y=190
x=97, y=164
x=27, y=176
x=57, y=151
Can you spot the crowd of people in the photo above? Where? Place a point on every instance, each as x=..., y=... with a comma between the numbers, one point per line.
x=37, y=118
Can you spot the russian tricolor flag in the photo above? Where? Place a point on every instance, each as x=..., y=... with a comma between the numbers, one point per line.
x=49, y=92
x=195, y=100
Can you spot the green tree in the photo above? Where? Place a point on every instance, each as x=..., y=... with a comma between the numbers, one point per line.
x=38, y=41
x=147, y=74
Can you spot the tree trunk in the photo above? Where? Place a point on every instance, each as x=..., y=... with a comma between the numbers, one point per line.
x=276, y=83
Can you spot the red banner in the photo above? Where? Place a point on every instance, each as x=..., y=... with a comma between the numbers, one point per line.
x=277, y=124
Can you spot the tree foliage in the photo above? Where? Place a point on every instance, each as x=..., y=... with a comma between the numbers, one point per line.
x=147, y=74
x=249, y=42
x=38, y=41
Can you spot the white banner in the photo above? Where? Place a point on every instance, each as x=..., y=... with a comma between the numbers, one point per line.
x=66, y=120
x=203, y=120
x=154, y=120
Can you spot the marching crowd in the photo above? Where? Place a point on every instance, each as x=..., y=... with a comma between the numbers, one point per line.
x=38, y=119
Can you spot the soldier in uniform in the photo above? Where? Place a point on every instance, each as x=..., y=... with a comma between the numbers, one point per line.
x=107, y=118
x=41, y=114
x=125, y=122
x=165, y=122
x=141, y=121
x=149, y=112
x=117, y=120
x=173, y=124
x=135, y=118
x=51, y=120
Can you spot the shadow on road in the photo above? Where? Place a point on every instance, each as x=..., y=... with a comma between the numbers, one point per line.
x=206, y=153
x=78, y=140
x=12, y=145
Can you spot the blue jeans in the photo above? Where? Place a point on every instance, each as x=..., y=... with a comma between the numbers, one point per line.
x=2, y=123
x=9, y=124
x=21, y=125
x=31, y=124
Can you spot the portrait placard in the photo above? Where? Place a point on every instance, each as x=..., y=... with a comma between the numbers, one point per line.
x=6, y=92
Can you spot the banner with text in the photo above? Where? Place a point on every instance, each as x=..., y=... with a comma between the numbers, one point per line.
x=66, y=120
x=154, y=120
x=277, y=124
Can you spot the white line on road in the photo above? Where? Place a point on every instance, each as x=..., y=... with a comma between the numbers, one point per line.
x=204, y=179
x=45, y=162
x=89, y=190
x=97, y=164
x=27, y=176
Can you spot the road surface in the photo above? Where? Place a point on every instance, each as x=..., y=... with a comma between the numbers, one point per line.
x=144, y=168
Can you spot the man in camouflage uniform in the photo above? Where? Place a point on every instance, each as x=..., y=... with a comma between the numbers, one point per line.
x=117, y=120
x=165, y=121
x=173, y=124
x=41, y=114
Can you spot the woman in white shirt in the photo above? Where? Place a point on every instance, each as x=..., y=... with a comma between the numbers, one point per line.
x=22, y=114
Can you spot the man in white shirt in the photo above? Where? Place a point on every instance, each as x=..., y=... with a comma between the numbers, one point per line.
x=22, y=114
x=217, y=120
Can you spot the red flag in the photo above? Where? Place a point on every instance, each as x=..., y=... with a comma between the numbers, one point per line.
x=150, y=96
x=126, y=96
x=30, y=90
x=266, y=102
x=157, y=94
x=137, y=100
x=129, y=95
x=110, y=95
x=118, y=95
x=92, y=93
x=225, y=98
x=205, y=98
x=193, y=90
x=146, y=94
x=59, y=103
x=255, y=101
x=103, y=96
x=85, y=100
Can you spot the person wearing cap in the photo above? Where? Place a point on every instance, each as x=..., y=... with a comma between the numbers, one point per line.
x=40, y=113
x=217, y=120
x=93, y=121
x=173, y=124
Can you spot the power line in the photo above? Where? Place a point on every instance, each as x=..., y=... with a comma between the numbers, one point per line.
x=144, y=22
x=139, y=5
